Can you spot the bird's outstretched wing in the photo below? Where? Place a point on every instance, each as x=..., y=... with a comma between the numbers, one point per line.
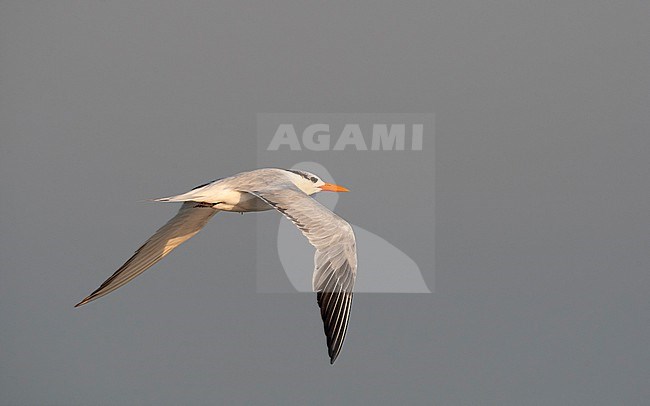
x=189, y=220
x=335, y=259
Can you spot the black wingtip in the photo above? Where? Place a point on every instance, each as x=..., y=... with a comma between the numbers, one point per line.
x=83, y=302
x=333, y=356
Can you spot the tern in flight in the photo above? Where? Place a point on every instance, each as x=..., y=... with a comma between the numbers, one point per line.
x=287, y=191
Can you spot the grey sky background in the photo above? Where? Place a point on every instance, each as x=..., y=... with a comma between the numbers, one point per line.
x=541, y=194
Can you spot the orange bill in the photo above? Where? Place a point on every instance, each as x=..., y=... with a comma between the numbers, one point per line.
x=330, y=187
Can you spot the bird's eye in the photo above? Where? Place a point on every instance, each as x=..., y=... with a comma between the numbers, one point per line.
x=313, y=179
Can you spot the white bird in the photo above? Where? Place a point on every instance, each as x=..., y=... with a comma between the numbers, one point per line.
x=288, y=192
